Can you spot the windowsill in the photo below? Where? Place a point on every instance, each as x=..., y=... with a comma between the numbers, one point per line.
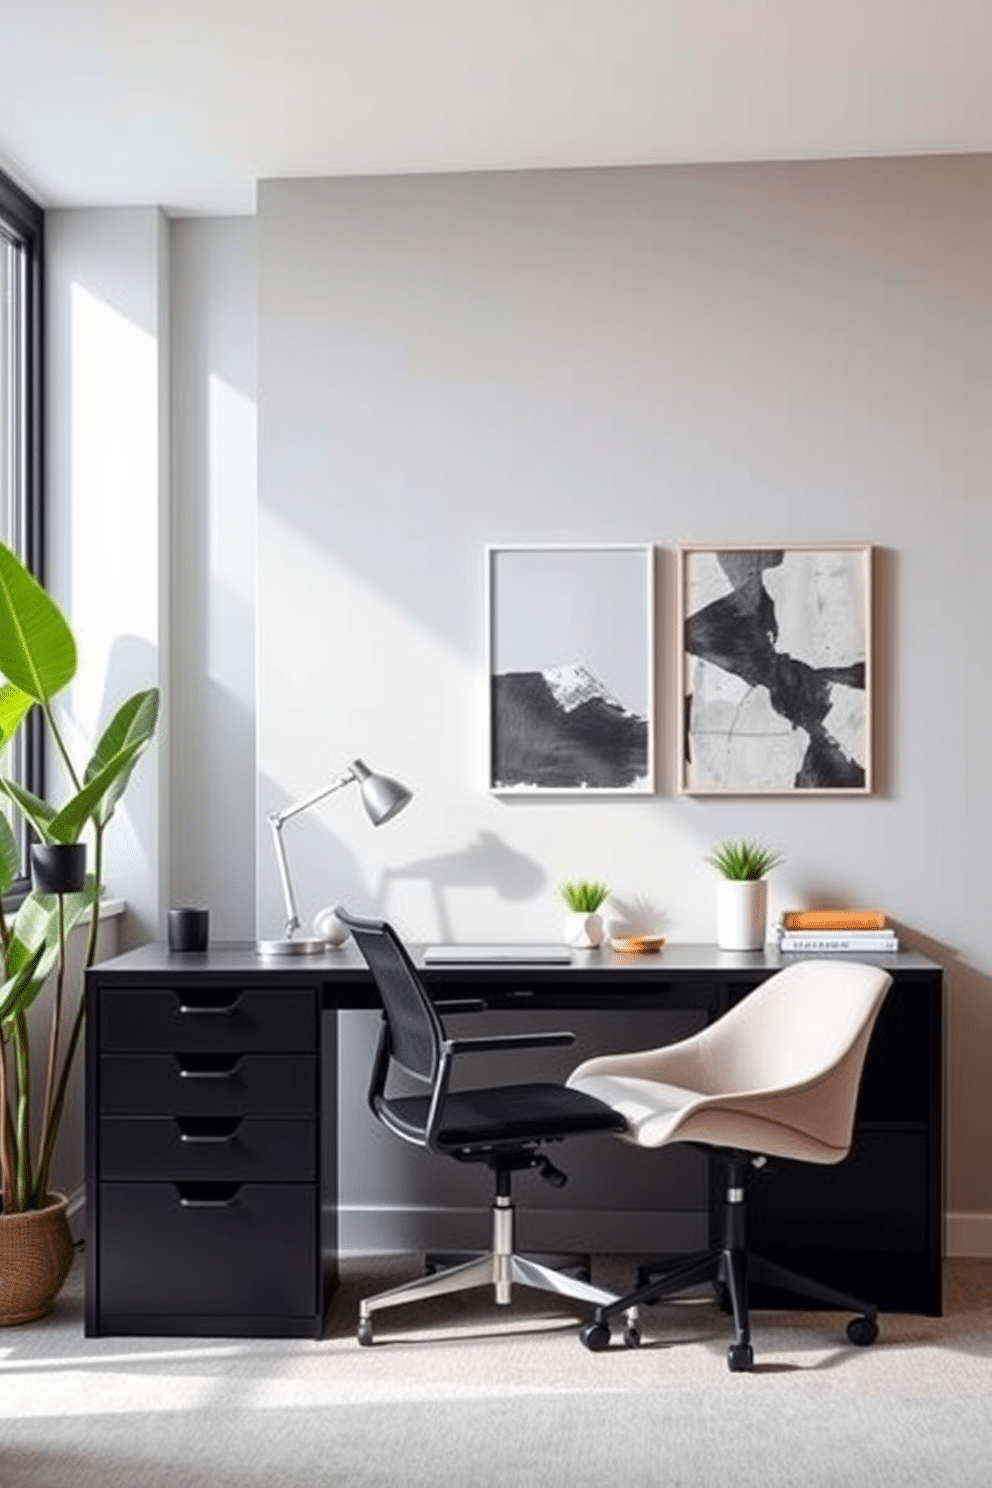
x=109, y=908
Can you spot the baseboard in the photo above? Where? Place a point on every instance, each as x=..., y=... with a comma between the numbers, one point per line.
x=388, y=1229
x=968, y=1235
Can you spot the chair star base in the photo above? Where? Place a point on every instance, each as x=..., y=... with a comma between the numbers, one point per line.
x=730, y=1268
x=501, y=1268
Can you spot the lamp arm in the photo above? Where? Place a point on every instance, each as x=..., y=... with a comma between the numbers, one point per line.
x=276, y=820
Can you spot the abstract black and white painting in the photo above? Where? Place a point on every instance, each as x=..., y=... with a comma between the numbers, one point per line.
x=571, y=676
x=775, y=669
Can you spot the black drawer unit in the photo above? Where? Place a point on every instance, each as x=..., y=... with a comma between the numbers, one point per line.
x=203, y=1156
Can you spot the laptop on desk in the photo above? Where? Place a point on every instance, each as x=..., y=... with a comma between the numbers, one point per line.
x=496, y=955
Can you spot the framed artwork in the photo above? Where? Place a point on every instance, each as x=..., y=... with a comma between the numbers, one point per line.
x=570, y=645
x=775, y=669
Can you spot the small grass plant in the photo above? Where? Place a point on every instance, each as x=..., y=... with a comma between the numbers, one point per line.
x=584, y=896
x=743, y=861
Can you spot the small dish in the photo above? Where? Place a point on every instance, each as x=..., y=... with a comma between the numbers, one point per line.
x=637, y=944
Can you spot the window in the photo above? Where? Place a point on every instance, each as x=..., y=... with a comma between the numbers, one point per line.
x=21, y=234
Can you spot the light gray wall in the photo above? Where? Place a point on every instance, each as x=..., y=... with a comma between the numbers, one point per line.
x=212, y=589
x=664, y=355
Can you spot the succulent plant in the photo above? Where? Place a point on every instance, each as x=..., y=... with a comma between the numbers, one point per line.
x=743, y=860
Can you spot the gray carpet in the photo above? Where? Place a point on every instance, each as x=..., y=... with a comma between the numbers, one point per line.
x=459, y=1393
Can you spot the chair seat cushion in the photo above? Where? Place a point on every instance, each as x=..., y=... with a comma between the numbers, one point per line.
x=651, y=1109
x=508, y=1114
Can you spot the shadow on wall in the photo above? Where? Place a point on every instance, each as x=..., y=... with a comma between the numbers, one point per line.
x=486, y=862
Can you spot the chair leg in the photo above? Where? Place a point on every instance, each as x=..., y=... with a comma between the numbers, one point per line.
x=770, y=1273
x=531, y=1274
x=480, y=1272
x=733, y=1273
x=699, y=1269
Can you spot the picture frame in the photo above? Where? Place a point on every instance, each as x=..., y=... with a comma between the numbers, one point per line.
x=570, y=659
x=774, y=669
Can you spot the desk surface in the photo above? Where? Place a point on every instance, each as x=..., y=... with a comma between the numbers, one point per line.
x=345, y=967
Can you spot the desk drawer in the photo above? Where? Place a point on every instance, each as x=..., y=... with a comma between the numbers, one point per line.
x=234, y=1148
x=208, y=1019
x=248, y=1249
x=208, y=1084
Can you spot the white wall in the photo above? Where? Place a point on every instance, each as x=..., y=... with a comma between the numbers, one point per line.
x=212, y=673
x=107, y=479
x=663, y=355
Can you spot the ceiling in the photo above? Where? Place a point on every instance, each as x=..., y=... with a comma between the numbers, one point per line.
x=187, y=103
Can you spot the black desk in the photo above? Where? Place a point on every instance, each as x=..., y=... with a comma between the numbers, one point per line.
x=211, y=1140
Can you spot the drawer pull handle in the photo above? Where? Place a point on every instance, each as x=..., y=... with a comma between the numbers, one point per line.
x=216, y=1002
x=207, y=1129
x=197, y=1067
x=209, y=1196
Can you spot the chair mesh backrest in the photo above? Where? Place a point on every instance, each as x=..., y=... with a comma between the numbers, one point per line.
x=414, y=1028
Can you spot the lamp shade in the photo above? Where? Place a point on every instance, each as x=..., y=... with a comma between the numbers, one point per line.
x=382, y=797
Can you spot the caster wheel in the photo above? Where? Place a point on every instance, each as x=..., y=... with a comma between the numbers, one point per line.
x=740, y=1358
x=365, y=1333
x=862, y=1331
x=595, y=1336
x=631, y=1336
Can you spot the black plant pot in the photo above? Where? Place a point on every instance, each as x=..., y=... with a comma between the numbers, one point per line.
x=58, y=867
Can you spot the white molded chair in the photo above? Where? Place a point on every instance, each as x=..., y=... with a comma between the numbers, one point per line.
x=776, y=1076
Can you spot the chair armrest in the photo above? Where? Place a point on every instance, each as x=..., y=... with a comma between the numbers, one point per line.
x=508, y=1041
x=461, y=1005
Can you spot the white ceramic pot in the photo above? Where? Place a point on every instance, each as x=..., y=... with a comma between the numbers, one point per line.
x=741, y=914
x=584, y=931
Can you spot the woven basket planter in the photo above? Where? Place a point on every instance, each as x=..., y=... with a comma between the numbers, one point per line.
x=35, y=1255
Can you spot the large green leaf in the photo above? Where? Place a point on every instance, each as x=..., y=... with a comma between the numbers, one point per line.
x=69, y=822
x=37, y=647
x=17, y=993
x=9, y=856
x=13, y=705
x=133, y=723
x=36, y=929
x=65, y=825
x=31, y=807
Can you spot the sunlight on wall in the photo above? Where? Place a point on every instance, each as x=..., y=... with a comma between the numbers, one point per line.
x=115, y=477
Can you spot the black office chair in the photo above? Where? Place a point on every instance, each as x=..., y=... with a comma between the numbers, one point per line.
x=504, y=1127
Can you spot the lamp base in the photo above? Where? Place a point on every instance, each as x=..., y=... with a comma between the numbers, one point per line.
x=290, y=947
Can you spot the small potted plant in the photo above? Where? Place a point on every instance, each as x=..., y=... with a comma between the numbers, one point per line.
x=742, y=893
x=584, y=926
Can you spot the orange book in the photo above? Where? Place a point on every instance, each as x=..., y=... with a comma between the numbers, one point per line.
x=833, y=919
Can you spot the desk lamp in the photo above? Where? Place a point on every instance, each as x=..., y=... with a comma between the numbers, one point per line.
x=382, y=799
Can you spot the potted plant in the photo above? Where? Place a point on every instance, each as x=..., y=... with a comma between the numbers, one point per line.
x=584, y=926
x=742, y=893
x=37, y=660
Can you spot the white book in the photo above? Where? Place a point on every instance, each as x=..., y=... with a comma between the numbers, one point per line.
x=796, y=941
x=830, y=937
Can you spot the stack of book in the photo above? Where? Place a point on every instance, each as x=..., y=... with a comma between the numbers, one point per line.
x=813, y=930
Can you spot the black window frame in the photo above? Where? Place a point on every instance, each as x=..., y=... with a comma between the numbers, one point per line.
x=23, y=220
